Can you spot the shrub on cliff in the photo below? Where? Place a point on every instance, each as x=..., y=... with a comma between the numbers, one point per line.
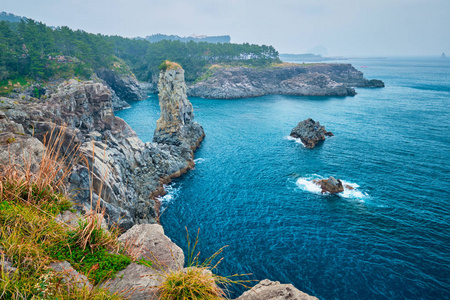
x=198, y=280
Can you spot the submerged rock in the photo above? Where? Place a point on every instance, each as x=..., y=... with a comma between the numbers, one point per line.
x=330, y=185
x=274, y=290
x=310, y=132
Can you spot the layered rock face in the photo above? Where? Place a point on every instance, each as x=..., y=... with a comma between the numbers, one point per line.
x=302, y=80
x=129, y=173
x=124, y=87
x=310, y=132
x=176, y=126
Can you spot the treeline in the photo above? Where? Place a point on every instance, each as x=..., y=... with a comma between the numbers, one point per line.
x=208, y=39
x=144, y=58
x=33, y=50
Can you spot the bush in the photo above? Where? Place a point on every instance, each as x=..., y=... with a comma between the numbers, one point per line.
x=197, y=281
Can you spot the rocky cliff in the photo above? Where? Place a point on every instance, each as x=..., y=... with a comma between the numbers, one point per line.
x=123, y=87
x=287, y=79
x=129, y=173
x=176, y=126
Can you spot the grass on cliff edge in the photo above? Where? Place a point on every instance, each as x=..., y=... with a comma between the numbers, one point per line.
x=32, y=238
x=198, y=280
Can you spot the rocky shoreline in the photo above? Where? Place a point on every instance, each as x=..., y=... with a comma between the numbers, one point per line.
x=284, y=79
x=127, y=174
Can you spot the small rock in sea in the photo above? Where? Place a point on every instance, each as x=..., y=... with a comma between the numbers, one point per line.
x=310, y=132
x=330, y=185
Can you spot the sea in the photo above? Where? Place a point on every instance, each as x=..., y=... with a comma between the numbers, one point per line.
x=252, y=190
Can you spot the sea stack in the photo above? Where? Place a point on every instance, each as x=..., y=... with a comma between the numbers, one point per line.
x=176, y=125
x=330, y=185
x=310, y=132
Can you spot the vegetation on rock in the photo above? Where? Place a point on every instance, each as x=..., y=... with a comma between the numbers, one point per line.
x=30, y=50
x=32, y=237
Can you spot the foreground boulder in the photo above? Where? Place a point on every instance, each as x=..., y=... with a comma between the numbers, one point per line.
x=330, y=185
x=273, y=290
x=310, y=132
x=136, y=282
x=150, y=242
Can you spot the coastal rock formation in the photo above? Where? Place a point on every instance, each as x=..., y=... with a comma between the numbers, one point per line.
x=310, y=132
x=287, y=79
x=176, y=126
x=330, y=185
x=124, y=87
x=136, y=282
x=151, y=243
x=129, y=173
x=274, y=290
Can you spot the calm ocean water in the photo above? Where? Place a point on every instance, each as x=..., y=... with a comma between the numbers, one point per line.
x=251, y=189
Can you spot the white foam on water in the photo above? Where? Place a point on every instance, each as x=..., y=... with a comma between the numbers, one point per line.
x=298, y=141
x=199, y=160
x=171, y=193
x=307, y=184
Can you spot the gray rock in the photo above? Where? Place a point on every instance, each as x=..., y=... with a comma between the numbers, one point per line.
x=150, y=242
x=290, y=79
x=70, y=275
x=125, y=86
x=273, y=290
x=69, y=218
x=6, y=264
x=16, y=149
x=310, y=132
x=136, y=281
x=129, y=173
x=176, y=125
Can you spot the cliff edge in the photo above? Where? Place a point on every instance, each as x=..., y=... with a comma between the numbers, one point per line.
x=285, y=79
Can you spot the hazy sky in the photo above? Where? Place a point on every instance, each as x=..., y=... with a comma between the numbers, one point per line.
x=344, y=27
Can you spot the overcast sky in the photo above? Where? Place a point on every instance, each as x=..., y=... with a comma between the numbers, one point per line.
x=344, y=27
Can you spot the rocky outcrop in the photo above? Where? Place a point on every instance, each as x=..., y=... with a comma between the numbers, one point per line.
x=70, y=275
x=125, y=87
x=135, y=282
x=287, y=79
x=310, y=132
x=273, y=290
x=150, y=242
x=330, y=185
x=128, y=172
x=176, y=126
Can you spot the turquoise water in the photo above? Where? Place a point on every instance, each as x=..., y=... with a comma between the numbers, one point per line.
x=251, y=189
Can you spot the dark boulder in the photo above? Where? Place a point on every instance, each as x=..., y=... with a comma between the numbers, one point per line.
x=310, y=132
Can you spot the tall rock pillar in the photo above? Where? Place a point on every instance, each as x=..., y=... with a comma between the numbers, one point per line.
x=176, y=125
